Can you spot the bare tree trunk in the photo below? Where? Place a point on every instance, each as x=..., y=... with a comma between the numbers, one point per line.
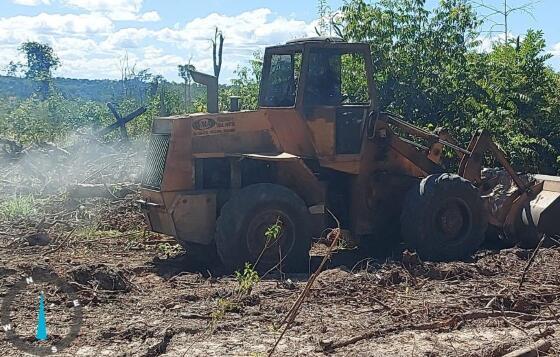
x=185, y=97
x=217, y=44
x=189, y=102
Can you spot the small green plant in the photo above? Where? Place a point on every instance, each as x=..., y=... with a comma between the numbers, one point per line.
x=224, y=305
x=247, y=279
x=273, y=231
x=167, y=249
x=94, y=230
x=17, y=207
x=343, y=242
x=271, y=234
x=86, y=232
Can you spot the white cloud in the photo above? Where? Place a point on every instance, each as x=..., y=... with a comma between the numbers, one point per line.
x=126, y=38
x=487, y=42
x=9, y=53
x=117, y=10
x=556, y=50
x=22, y=28
x=244, y=34
x=150, y=16
x=90, y=47
x=31, y=2
x=107, y=5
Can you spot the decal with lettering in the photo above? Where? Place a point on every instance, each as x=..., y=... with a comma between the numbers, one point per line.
x=213, y=126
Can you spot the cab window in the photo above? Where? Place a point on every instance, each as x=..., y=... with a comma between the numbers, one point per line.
x=281, y=80
x=336, y=78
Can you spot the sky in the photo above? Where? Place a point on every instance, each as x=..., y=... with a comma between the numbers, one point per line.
x=92, y=37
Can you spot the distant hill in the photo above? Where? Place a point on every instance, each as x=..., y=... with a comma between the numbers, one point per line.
x=98, y=90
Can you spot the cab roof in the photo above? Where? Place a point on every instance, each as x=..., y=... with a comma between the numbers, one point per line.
x=315, y=39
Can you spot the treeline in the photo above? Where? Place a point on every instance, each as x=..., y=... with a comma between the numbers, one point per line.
x=97, y=90
x=429, y=67
x=60, y=117
x=79, y=107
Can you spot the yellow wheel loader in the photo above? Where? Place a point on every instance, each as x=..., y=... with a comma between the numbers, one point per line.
x=319, y=144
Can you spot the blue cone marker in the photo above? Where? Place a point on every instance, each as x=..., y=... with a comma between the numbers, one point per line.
x=41, y=320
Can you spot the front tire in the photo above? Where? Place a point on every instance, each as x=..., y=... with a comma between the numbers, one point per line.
x=241, y=229
x=443, y=218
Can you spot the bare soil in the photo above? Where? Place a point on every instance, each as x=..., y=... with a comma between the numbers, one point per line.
x=142, y=295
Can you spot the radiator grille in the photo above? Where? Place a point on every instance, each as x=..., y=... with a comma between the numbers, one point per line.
x=155, y=161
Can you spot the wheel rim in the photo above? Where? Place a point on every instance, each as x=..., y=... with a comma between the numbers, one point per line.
x=453, y=220
x=267, y=251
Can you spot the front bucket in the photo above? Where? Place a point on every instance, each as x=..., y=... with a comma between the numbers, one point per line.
x=544, y=209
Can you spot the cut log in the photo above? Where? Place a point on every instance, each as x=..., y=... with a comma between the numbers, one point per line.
x=532, y=350
x=83, y=190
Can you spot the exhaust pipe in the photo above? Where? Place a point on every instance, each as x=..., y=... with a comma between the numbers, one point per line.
x=234, y=104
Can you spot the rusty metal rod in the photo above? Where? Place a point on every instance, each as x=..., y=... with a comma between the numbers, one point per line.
x=419, y=132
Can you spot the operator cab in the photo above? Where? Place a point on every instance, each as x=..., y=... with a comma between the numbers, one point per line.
x=328, y=81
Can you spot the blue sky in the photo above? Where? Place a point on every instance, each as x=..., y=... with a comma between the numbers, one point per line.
x=92, y=36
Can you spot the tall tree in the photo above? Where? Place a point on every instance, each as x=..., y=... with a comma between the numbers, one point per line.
x=502, y=11
x=40, y=62
x=427, y=67
x=419, y=55
x=245, y=84
x=184, y=72
x=12, y=69
x=324, y=14
x=128, y=71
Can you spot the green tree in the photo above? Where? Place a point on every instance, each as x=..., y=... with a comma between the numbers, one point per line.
x=418, y=55
x=40, y=62
x=12, y=69
x=427, y=68
x=520, y=105
x=245, y=85
x=324, y=13
x=184, y=72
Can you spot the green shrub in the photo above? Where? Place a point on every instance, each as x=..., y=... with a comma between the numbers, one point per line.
x=246, y=279
x=17, y=207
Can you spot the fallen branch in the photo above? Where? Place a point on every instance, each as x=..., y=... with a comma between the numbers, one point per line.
x=291, y=316
x=533, y=350
x=547, y=332
x=97, y=171
x=437, y=325
x=63, y=243
x=493, y=300
x=114, y=191
x=160, y=347
x=530, y=262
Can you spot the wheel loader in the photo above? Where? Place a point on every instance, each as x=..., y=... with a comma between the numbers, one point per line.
x=319, y=146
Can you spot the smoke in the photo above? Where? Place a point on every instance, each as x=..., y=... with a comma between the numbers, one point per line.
x=47, y=168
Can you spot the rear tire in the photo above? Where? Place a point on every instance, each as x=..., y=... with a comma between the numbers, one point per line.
x=241, y=227
x=443, y=218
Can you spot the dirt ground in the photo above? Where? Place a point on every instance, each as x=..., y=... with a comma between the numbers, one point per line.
x=141, y=295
